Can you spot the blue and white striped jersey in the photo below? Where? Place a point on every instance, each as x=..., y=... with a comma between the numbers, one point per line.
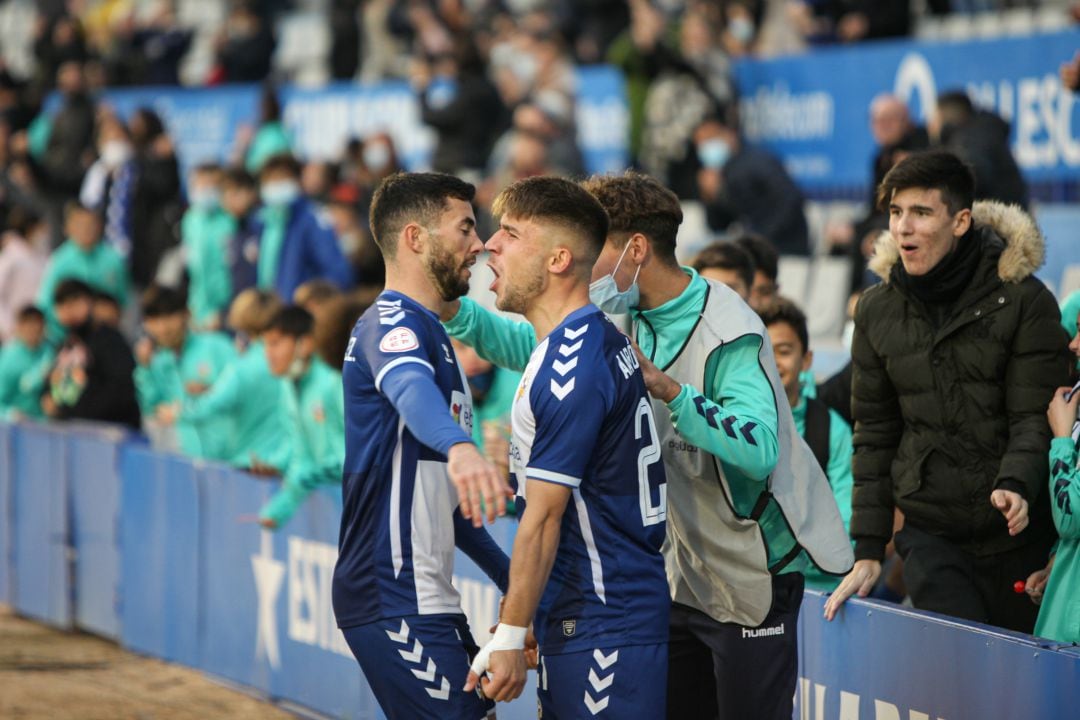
x=582, y=418
x=396, y=550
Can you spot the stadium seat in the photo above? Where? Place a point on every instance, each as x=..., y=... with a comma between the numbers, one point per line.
x=827, y=296
x=793, y=277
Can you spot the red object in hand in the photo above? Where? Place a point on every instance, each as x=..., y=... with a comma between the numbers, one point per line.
x=1018, y=586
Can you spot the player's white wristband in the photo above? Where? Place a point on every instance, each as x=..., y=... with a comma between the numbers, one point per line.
x=506, y=637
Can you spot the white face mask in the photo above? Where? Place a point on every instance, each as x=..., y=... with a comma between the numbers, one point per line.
x=605, y=294
x=297, y=368
x=279, y=192
x=115, y=153
x=376, y=156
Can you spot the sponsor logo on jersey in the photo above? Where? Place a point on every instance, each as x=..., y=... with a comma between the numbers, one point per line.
x=398, y=340
x=461, y=411
x=317, y=413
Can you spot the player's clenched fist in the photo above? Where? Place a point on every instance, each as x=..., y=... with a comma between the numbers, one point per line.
x=499, y=667
x=476, y=479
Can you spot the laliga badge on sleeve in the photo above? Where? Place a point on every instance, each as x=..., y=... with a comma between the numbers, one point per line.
x=398, y=340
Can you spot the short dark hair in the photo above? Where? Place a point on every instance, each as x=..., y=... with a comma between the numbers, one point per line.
x=282, y=161
x=783, y=310
x=72, y=289
x=206, y=167
x=764, y=253
x=317, y=289
x=239, y=177
x=104, y=297
x=74, y=206
x=559, y=201
x=638, y=203
x=159, y=301
x=955, y=107
x=412, y=197
x=30, y=312
x=292, y=320
x=938, y=170
x=728, y=256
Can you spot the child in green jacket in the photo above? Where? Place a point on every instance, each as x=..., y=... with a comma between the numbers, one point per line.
x=315, y=408
x=176, y=365
x=24, y=364
x=1059, y=616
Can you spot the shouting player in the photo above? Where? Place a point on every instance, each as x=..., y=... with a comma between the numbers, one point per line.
x=586, y=459
x=408, y=417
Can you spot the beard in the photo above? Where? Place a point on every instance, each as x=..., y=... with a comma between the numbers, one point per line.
x=516, y=296
x=445, y=272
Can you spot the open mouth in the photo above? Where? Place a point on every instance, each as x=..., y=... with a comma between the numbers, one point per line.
x=908, y=248
x=495, y=272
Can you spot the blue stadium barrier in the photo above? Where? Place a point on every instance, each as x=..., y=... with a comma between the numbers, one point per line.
x=94, y=483
x=160, y=536
x=43, y=587
x=882, y=661
x=5, y=513
x=201, y=584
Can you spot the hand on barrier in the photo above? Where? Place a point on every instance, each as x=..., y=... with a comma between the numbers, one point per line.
x=861, y=580
x=1013, y=507
x=476, y=480
x=499, y=667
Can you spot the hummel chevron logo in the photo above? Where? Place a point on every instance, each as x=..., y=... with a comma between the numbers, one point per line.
x=442, y=693
x=605, y=661
x=416, y=654
x=1059, y=468
x=728, y=424
x=392, y=319
x=561, y=391
x=402, y=636
x=428, y=674
x=568, y=350
x=564, y=367
x=595, y=707
x=599, y=684
x=745, y=432
x=709, y=414
x=575, y=334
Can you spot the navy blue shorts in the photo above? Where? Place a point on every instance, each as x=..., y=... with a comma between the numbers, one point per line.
x=623, y=683
x=417, y=666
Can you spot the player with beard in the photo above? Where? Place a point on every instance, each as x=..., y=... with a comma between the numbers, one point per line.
x=410, y=459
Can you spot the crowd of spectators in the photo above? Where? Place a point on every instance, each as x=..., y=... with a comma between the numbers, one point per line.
x=210, y=311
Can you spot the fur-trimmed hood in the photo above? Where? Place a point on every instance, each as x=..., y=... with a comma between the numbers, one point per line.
x=1025, y=248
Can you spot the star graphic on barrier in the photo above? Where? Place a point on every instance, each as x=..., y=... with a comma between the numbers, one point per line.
x=269, y=574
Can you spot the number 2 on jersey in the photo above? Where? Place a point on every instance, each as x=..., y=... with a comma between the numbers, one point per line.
x=650, y=454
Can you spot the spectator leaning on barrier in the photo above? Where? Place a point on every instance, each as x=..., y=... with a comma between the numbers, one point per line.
x=823, y=429
x=25, y=360
x=246, y=392
x=316, y=413
x=1059, y=616
x=297, y=243
x=205, y=231
x=955, y=357
x=728, y=263
x=92, y=378
x=175, y=364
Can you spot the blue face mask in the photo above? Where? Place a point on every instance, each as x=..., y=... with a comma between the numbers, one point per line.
x=714, y=153
x=605, y=294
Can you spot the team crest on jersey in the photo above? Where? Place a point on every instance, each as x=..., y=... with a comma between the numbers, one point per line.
x=318, y=414
x=204, y=370
x=569, y=627
x=400, y=339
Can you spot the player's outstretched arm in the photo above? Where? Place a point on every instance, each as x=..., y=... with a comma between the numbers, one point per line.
x=497, y=339
x=411, y=389
x=537, y=541
x=482, y=550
